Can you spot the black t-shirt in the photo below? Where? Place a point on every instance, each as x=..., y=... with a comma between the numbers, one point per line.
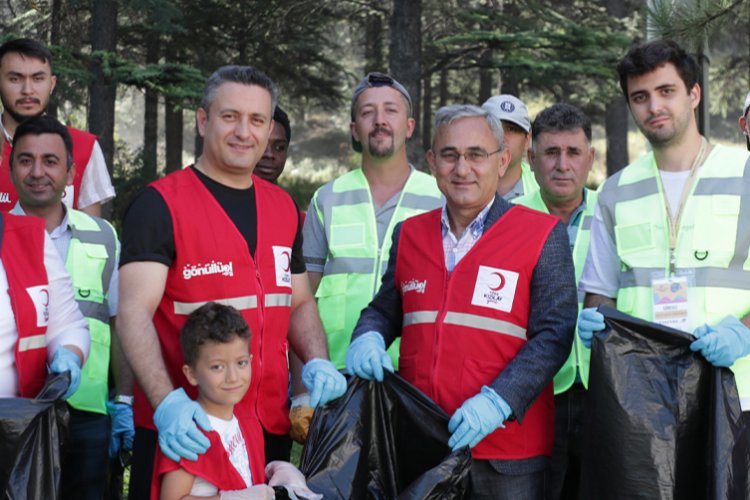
x=147, y=232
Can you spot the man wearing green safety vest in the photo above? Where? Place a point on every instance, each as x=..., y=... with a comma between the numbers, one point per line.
x=561, y=157
x=518, y=180
x=347, y=233
x=676, y=222
x=41, y=167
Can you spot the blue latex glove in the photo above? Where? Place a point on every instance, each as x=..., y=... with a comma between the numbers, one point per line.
x=175, y=419
x=589, y=321
x=123, y=429
x=66, y=360
x=723, y=344
x=477, y=417
x=323, y=381
x=366, y=357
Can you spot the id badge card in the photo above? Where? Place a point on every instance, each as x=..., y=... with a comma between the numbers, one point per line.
x=670, y=301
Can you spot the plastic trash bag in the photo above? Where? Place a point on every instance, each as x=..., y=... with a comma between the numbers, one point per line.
x=383, y=440
x=661, y=422
x=30, y=435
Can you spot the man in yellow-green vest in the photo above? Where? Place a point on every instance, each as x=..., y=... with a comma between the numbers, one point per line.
x=347, y=233
x=518, y=180
x=561, y=157
x=676, y=221
x=41, y=166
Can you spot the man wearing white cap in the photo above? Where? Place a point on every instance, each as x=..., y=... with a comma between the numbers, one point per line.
x=745, y=121
x=518, y=180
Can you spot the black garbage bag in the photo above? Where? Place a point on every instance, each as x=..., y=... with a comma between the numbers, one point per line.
x=661, y=422
x=30, y=439
x=383, y=441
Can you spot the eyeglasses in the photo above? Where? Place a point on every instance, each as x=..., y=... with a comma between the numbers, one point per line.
x=473, y=156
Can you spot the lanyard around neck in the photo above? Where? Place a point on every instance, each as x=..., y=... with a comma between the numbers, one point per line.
x=674, y=221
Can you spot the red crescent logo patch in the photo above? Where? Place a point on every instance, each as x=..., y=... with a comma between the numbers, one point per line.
x=501, y=284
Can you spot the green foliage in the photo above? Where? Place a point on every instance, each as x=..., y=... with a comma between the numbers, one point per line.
x=569, y=50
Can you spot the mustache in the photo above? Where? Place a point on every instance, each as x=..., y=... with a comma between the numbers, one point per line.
x=377, y=130
x=28, y=99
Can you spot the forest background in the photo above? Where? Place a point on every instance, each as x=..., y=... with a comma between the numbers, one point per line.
x=132, y=71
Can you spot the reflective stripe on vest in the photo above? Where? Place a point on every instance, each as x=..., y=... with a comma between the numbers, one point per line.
x=239, y=303
x=469, y=320
x=33, y=342
x=578, y=361
x=356, y=260
x=712, y=244
x=92, y=257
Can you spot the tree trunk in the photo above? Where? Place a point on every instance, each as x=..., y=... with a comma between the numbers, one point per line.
x=151, y=113
x=374, y=60
x=102, y=91
x=427, y=113
x=173, y=133
x=616, y=124
x=55, y=36
x=443, y=87
x=616, y=112
x=405, y=60
x=485, y=76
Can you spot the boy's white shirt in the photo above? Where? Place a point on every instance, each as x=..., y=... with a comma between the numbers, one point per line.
x=234, y=444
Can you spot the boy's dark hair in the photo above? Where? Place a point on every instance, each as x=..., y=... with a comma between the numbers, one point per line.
x=280, y=116
x=648, y=56
x=560, y=117
x=44, y=124
x=212, y=322
x=27, y=48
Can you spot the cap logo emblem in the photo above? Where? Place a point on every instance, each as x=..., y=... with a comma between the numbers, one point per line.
x=507, y=106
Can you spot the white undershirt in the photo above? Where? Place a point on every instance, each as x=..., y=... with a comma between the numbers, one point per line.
x=234, y=444
x=66, y=325
x=673, y=183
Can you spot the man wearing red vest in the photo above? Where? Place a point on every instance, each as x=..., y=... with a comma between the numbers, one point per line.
x=40, y=321
x=216, y=232
x=26, y=83
x=483, y=296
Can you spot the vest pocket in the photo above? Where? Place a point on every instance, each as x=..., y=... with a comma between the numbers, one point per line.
x=476, y=374
x=632, y=238
x=331, y=297
x=346, y=236
x=714, y=236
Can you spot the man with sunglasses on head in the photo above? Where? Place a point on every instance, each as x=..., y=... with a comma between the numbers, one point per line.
x=483, y=295
x=347, y=233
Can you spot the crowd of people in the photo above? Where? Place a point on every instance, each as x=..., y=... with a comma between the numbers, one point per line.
x=205, y=338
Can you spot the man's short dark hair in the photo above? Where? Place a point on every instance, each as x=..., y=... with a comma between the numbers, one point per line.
x=646, y=57
x=44, y=124
x=280, y=117
x=245, y=75
x=560, y=117
x=212, y=322
x=27, y=48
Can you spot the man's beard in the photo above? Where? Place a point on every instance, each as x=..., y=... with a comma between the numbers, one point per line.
x=17, y=117
x=380, y=150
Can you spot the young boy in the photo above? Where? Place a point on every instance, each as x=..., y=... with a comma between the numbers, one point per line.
x=216, y=346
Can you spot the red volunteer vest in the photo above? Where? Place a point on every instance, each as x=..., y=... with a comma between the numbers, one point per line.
x=213, y=263
x=214, y=466
x=461, y=330
x=83, y=145
x=22, y=254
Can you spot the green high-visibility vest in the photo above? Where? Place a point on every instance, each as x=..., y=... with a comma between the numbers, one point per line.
x=355, y=261
x=92, y=257
x=578, y=361
x=530, y=186
x=712, y=243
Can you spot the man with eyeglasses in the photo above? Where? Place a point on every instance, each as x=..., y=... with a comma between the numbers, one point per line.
x=347, y=232
x=518, y=180
x=482, y=294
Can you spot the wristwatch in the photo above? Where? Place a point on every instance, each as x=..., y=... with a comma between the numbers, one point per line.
x=125, y=400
